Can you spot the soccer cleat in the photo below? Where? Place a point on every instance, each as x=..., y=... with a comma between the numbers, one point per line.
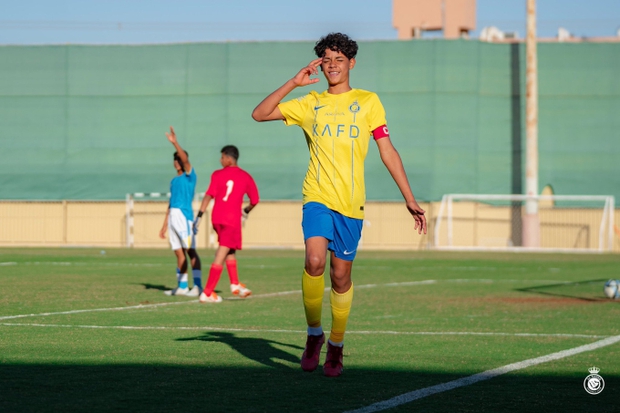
x=194, y=292
x=240, y=290
x=310, y=358
x=213, y=298
x=177, y=291
x=333, y=361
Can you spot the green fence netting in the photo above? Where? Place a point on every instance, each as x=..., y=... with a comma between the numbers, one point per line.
x=88, y=122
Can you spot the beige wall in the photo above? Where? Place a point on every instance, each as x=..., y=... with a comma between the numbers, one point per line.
x=451, y=16
x=277, y=224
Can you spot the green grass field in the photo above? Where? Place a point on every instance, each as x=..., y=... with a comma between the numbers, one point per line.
x=86, y=331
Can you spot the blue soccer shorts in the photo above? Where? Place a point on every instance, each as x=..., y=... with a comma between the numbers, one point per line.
x=343, y=233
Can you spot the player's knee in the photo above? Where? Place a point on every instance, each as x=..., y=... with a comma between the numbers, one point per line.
x=341, y=284
x=315, y=264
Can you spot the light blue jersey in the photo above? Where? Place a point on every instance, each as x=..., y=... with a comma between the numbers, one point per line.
x=182, y=189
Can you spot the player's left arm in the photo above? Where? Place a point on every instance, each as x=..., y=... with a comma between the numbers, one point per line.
x=172, y=137
x=201, y=211
x=394, y=164
x=252, y=193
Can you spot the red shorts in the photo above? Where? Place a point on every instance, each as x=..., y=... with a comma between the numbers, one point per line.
x=228, y=236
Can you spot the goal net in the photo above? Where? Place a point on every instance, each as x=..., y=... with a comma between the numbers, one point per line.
x=495, y=222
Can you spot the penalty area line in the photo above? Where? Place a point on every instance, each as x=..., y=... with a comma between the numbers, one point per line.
x=146, y=306
x=485, y=375
x=254, y=296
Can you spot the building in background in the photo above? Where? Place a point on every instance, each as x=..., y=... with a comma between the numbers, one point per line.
x=455, y=18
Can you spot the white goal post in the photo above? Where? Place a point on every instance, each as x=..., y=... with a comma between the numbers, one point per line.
x=568, y=223
x=144, y=215
x=151, y=208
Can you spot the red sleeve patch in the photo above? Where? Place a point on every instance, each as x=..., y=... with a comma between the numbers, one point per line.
x=381, y=132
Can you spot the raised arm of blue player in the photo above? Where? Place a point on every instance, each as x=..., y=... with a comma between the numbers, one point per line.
x=172, y=137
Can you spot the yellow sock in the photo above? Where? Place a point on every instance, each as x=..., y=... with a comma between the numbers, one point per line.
x=312, y=291
x=341, y=306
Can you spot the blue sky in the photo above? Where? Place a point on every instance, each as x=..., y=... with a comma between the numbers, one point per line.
x=171, y=21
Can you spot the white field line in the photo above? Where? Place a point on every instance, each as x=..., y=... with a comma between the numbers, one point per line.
x=485, y=375
x=92, y=310
x=259, y=330
x=100, y=264
x=415, y=268
x=268, y=295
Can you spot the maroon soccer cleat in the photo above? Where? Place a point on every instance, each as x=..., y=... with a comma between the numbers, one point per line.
x=310, y=358
x=333, y=361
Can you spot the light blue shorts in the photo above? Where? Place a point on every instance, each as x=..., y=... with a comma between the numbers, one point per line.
x=343, y=233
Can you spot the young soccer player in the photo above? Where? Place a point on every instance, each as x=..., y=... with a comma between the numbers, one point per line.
x=337, y=124
x=227, y=188
x=178, y=221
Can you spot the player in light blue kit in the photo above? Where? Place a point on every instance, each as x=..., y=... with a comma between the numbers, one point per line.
x=178, y=222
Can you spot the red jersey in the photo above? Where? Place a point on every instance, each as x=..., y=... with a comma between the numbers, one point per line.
x=228, y=187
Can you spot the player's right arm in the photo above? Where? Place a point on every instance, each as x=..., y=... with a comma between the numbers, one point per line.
x=162, y=231
x=172, y=137
x=268, y=109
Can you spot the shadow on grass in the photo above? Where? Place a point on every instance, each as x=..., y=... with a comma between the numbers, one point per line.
x=160, y=287
x=564, y=290
x=166, y=388
x=258, y=349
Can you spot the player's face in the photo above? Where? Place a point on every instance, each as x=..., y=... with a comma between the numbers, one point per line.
x=336, y=66
x=177, y=165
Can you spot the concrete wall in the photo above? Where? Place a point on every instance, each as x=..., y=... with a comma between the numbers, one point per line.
x=277, y=224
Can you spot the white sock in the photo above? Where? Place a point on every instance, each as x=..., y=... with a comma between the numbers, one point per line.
x=183, y=281
x=315, y=331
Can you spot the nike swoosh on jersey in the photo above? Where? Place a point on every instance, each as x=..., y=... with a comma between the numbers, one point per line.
x=319, y=107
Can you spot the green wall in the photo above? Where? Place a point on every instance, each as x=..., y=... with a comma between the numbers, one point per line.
x=88, y=122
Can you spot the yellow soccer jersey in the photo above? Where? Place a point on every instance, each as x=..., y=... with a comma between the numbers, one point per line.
x=338, y=129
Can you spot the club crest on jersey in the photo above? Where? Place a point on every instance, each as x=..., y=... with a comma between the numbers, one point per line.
x=355, y=107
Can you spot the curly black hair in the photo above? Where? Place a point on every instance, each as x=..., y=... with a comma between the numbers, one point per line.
x=338, y=42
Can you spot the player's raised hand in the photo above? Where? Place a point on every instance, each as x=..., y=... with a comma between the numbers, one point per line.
x=303, y=77
x=418, y=216
x=172, y=137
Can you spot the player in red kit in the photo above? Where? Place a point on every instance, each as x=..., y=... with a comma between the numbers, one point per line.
x=228, y=187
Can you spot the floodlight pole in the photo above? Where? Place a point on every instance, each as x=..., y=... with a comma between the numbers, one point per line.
x=531, y=220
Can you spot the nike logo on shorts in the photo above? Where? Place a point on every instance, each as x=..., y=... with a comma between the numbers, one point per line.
x=345, y=252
